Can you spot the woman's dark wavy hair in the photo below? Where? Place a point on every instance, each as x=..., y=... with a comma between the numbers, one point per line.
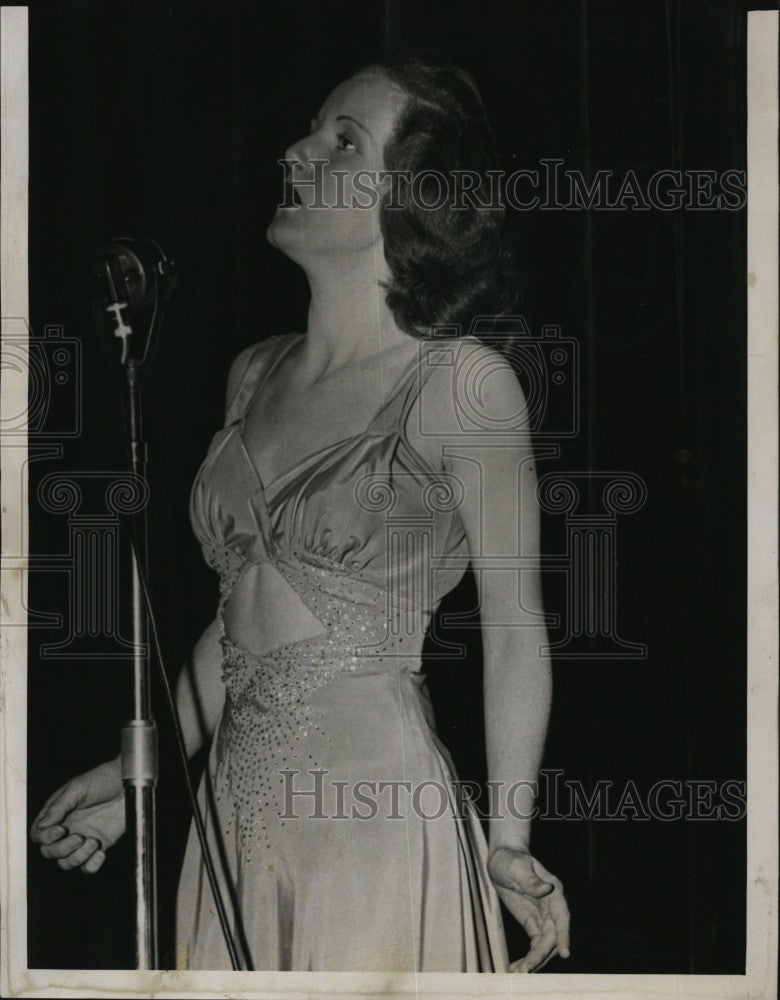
x=449, y=265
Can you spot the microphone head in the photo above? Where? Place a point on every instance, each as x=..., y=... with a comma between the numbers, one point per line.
x=131, y=280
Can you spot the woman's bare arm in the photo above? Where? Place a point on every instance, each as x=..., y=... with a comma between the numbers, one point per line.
x=86, y=816
x=456, y=429
x=200, y=693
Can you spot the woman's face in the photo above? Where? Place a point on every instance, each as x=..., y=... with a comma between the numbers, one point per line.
x=332, y=201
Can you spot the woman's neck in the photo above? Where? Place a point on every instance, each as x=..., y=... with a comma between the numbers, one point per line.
x=349, y=320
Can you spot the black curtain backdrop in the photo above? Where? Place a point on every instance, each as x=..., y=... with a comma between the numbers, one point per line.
x=167, y=118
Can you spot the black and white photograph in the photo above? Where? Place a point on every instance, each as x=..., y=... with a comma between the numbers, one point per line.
x=389, y=498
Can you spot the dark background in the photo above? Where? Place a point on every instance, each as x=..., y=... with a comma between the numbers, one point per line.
x=167, y=118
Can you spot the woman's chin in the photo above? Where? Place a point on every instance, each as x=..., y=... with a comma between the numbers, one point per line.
x=279, y=232
x=296, y=237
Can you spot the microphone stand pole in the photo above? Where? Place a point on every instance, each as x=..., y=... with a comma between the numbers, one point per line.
x=139, y=736
x=134, y=274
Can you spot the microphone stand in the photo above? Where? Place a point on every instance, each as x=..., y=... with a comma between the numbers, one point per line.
x=139, y=736
x=134, y=276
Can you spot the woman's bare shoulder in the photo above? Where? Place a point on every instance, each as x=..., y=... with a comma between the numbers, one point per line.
x=470, y=386
x=250, y=363
x=467, y=389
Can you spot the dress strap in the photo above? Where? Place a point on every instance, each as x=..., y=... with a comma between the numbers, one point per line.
x=422, y=373
x=395, y=410
x=433, y=354
x=247, y=393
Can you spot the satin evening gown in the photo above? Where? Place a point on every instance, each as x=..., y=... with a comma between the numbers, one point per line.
x=338, y=834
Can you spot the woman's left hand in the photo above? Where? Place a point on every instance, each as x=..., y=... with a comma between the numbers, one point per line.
x=535, y=898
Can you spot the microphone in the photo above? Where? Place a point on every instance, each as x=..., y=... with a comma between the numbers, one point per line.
x=132, y=280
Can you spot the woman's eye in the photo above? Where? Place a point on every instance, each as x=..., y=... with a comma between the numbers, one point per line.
x=344, y=142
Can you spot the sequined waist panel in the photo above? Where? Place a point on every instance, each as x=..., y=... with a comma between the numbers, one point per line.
x=271, y=682
x=290, y=621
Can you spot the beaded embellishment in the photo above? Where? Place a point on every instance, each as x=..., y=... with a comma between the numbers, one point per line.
x=268, y=715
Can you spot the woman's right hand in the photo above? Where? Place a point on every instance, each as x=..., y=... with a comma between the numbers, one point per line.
x=81, y=820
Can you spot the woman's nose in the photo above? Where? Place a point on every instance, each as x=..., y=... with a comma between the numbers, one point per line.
x=302, y=152
x=293, y=152
x=299, y=152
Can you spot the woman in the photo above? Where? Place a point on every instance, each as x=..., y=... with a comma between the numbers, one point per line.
x=341, y=501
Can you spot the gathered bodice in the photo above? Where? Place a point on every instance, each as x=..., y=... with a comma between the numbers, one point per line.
x=363, y=523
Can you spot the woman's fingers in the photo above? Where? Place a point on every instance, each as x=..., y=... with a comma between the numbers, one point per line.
x=542, y=949
x=535, y=897
x=521, y=965
x=71, y=850
x=94, y=863
x=81, y=855
x=82, y=819
x=524, y=910
x=59, y=805
x=559, y=913
x=47, y=835
x=541, y=965
x=63, y=847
